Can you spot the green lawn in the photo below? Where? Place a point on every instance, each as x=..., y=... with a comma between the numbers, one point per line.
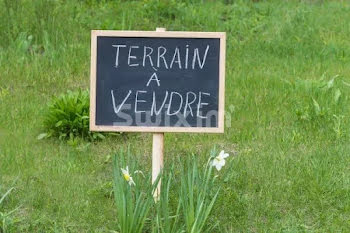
x=287, y=127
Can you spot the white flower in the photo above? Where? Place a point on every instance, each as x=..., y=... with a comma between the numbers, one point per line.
x=219, y=161
x=127, y=176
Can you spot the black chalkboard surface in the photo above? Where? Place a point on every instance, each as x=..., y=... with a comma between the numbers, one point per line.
x=157, y=81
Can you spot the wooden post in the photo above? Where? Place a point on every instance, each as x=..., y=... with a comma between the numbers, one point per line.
x=157, y=160
x=157, y=153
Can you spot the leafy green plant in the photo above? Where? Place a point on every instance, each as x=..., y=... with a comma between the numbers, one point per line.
x=186, y=212
x=133, y=200
x=167, y=220
x=323, y=102
x=68, y=117
x=195, y=196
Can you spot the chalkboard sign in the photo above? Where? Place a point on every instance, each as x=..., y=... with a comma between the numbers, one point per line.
x=157, y=81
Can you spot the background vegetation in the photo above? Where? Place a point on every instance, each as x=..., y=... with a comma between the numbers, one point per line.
x=287, y=89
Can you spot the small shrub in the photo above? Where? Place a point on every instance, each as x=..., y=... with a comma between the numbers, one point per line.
x=68, y=117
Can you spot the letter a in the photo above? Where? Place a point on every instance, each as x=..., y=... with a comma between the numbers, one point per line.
x=155, y=78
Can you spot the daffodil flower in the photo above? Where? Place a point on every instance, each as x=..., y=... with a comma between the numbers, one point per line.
x=127, y=176
x=219, y=161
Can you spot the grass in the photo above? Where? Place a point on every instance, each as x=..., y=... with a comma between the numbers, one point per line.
x=287, y=129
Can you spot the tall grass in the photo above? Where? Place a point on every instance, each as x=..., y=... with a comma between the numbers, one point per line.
x=6, y=218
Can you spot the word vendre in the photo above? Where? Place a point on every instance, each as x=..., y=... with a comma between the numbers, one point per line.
x=188, y=103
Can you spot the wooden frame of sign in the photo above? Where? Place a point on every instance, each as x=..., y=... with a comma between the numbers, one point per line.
x=157, y=34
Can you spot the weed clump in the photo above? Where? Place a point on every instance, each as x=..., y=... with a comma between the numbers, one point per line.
x=68, y=117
